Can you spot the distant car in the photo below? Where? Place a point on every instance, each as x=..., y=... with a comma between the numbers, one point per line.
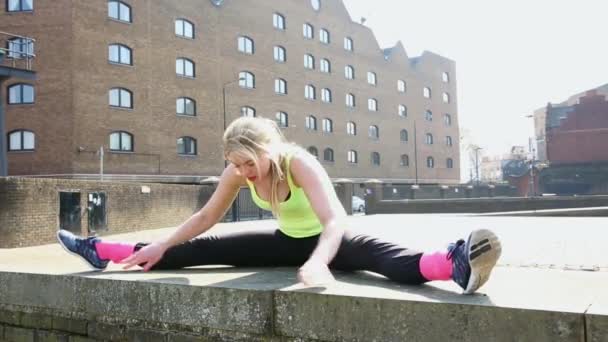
x=358, y=204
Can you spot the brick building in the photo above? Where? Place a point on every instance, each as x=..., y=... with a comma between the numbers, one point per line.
x=149, y=80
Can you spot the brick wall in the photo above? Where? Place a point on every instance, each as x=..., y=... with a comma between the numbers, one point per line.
x=29, y=208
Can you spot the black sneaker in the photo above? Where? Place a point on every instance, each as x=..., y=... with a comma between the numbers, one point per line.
x=473, y=261
x=84, y=248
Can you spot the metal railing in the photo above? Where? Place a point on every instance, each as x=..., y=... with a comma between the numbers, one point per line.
x=16, y=51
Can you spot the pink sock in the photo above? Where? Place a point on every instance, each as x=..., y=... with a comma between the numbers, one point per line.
x=115, y=251
x=436, y=266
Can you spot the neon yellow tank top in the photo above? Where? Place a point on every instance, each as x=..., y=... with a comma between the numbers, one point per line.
x=296, y=216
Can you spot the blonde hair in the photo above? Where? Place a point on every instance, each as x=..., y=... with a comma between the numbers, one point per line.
x=250, y=137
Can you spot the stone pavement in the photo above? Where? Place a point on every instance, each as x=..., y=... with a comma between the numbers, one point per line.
x=550, y=285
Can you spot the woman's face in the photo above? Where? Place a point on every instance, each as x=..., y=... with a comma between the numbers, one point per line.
x=246, y=167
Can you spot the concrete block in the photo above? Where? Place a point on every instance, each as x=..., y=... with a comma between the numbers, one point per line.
x=596, y=320
x=72, y=325
x=102, y=331
x=77, y=338
x=145, y=335
x=35, y=320
x=51, y=336
x=19, y=334
x=9, y=317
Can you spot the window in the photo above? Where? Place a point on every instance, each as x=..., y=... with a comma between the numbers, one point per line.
x=349, y=72
x=403, y=136
x=445, y=77
x=448, y=141
x=426, y=92
x=374, y=132
x=21, y=140
x=350, y=100
x=447, y=119
x=429, y=139
x=428, y=115
x=248, y=111
x=120, y=54
x=404, y=160
x=449, y=163
x=371, y=78
x=375, y=158
x=326, y=95
x=446, y=98
x=184, y=28
x=309, y=61
x=246, y=80
x=20, y=5
x=20, y=48
x=328, y=125
x=280, y=86
x=316, y=4
x=186, y=146
x=308, y=31
x=245, y=45
x=352, y=157
x=121, y=98
x=184, y=67
x=118, y=10
x=278, y=21
x=324, y=36
x=313, y=150
x=311, y=123
x=401, y=86
x=430, y=162
x=282, y=119
x=185, y=106
x=402, y=110
x=121, y=141
x=309, y=92
x=351, y=128
x=372, y=105
x=328, y=155
x=21, y=93
x=348, y=44
x=279, y=54
x=325, y=66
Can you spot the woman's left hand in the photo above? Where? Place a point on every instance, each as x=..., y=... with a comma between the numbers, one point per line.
x=315, y=272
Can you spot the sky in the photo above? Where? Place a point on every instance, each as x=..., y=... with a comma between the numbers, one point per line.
x=512, y=57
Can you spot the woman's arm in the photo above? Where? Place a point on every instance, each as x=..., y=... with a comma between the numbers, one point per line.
x=227, y=189
x=310, y=175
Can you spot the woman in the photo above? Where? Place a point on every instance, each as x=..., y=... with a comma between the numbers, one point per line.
x=312, y=232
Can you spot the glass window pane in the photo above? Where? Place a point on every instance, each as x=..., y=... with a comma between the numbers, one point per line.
x=191, y=146
x=28, y=5
x=125, y=13
x=190, y=107
x=28, y=94
x=15, y=141
x=114, y=99
x=14, y=94
x=179, y=27
x=28, y=141
x=125, y=99
x=13, y=5
x=113, y=9
x=126, y=142
x=189, y=30
x=125, y=55
x=113, y=53
x=179, y=106
x=179, y=66
x=189, y=68
x=114, y=141
x=181, y=149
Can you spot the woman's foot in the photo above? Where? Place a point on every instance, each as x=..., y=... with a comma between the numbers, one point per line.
x=473, y=260
x=84, y=248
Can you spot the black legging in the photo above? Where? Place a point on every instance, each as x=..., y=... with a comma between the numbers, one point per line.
x=271, y=247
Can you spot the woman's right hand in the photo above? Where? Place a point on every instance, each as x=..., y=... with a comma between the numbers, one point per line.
x=146, y=257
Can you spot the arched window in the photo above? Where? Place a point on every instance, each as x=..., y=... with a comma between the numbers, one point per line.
x=447, y=119
x=186, y=146
x=245, y=45
x=278, y=21
x=349, y=72
x=311, y=123
x=375, y=158
x=430, y=162
x=429, y=139
x=279, y=54
x=404, y=160
x=121, y=98
x=348, y=44
x=328, y=155
x=120, y=54
x=248, y=111
x=372, y=105
x=118, y=10
x=121, y=141
x=401, y=86
x=351, y=128
x=428, y=115
x=185, y=106
x=246, y=80
x=184, y=67
x=309, y=61
x=446, y=97
x=280, y=86
x=21, y=93
x=371, y=78
x=352, y=157
x=448, y=141
x=308, y=31
x=403, y=136
x=328, y=125
x=426, y=92
x=309, y=92
x=350, y=100
x=282, y=119
x=374, y=132
x=445, y=77
x=184, y=28
x=449, y=163
x=21, y=140
x=326, y=95
x=324, y=36
x=325, y=65
x=313, y=150
x=402, y=110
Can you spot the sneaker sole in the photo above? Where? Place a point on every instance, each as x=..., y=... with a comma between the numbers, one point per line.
x=484, y=251
x=78, y=255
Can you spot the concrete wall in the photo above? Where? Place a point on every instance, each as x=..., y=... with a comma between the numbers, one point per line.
x=29, y=208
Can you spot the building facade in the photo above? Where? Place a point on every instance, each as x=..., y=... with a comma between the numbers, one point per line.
x=150, y=85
